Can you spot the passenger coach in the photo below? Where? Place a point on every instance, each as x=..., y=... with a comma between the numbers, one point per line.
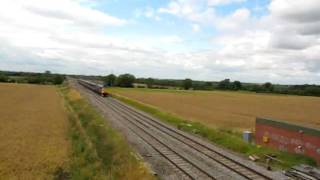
x=95, y=87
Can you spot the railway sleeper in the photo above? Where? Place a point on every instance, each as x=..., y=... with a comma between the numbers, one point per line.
x=202, y=149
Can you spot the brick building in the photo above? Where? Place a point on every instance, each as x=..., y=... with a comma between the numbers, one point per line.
x=288, y=137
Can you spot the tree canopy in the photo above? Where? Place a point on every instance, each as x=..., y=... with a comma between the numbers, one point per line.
x=110, y=80
x=187, y=84
x=3, y=77
x=125, y=80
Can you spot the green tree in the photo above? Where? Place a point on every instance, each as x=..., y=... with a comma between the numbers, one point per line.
x=256, y=88
x=149, y=82
x=312, y=91
x=3, y=77
x=187, y=84
x=208, y=84
x=237, y=85
x=110, y=80
x=125, y=80
x=268, y=87
x=224, y=84
x=47, y=73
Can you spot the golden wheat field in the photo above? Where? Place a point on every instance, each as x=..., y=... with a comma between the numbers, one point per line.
x=232, y=110
x=33, y=132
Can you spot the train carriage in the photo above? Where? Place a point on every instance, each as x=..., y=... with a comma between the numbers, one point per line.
x=97, y=88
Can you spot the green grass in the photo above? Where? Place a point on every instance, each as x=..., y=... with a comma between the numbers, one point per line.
x=227, y=138
x=98, y=151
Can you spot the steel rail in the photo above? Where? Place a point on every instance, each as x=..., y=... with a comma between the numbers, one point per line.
x=181, y=166
x=246, y=172
x=127, y=113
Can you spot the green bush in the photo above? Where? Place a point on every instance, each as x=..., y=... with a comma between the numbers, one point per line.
x=3, y=78
x=58, y=79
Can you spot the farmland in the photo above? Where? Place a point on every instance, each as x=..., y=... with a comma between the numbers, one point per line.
x=33, y=132
x=228, y=110
x=50, y=132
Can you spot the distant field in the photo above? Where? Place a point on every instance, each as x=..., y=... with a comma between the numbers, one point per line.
x=232, y=110
x=33, y=132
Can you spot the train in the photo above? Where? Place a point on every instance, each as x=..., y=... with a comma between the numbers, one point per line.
x=95, y=87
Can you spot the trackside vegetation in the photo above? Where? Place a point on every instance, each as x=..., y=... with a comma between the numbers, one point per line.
x=98, y=151
x=226, y=138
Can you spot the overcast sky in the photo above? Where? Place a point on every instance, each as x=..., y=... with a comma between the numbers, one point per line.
x=246, y=40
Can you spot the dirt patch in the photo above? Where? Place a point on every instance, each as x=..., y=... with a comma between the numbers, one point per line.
x=33, y=132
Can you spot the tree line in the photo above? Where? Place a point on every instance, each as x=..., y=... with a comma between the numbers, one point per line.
x=128, y=80
x=123, y=80
x=32, y=78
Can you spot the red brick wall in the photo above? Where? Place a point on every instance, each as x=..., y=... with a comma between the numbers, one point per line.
x=289, y=140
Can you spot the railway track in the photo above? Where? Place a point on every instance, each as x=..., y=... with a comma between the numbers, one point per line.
x=191, y=142
x=204, y=149
x=193, y=157
x=185, y=165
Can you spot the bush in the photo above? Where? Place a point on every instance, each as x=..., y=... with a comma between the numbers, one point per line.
x=36, y=79
x=58, y=79
x=3, y=78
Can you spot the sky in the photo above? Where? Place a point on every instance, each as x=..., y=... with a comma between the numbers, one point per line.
x=259, y=41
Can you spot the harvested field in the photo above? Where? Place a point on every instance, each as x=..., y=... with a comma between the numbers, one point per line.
x=33, y=132
x=231, y=110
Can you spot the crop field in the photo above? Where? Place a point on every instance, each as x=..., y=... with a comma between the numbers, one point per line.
x=33, y=132
x=228, y=110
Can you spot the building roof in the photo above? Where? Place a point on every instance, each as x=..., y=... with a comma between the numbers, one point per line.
x=289, y=126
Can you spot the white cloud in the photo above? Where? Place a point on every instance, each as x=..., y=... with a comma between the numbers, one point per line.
x=297, y=10
x=200, y=13
x=35, y=34
x=67, y=11
x=278, y=47
x=65, y=36
x=238, y=20
x=223, y=2
x=173, y=8
x=196, y=11
x=294, y=27
x=35, y=38
x=291, y=40
x=148, y=12
x=171, y=39
x=196, y=28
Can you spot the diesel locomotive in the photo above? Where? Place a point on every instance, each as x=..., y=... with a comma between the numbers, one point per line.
x=97, y=88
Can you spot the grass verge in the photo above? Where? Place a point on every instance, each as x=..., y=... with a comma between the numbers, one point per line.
x=226, y=138
x=98, y=151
